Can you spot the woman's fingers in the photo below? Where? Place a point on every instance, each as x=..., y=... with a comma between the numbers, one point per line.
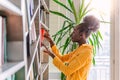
x=42, y=44
x=45, y=51
x=46, y=34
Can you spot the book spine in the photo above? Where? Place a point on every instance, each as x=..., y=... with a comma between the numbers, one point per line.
x=0, y=41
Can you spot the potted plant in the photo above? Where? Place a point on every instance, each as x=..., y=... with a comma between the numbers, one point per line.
x=68, y=26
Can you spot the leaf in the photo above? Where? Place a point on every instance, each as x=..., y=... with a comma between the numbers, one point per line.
x=93, y=61
x=94, y=50
x=90, y=41
x=71, y=3
x=81, y=9
x=62, y=76
x=88, y=11
x=62, y=15
x=54, y=37
x=64, y=23
x=105, y=22
x=63, y=5
x=62, y=27
x=74, y=46
x=66, y=44
x=61, y=37
x=62, y=32
x=94, y=40
x=85, y=9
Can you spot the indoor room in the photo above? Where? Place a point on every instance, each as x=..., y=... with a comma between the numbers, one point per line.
x=59, y=40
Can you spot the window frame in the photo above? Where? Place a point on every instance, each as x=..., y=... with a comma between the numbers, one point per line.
x=115, y=40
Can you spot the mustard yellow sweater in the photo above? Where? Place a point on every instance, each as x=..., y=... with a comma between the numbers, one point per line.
x=78, y=62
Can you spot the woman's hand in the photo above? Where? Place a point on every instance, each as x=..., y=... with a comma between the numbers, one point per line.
x=48, y=51
x=47, y=36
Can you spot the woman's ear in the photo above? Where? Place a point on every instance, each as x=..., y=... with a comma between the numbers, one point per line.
x=82, y=35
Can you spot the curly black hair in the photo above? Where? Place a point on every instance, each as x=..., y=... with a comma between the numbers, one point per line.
x=90, y=24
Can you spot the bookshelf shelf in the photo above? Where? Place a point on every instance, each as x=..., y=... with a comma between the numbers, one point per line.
x=8, y=7
x=10, y=68
x=44, y=26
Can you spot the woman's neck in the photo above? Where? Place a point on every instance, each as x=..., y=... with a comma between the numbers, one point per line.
x=80, y=43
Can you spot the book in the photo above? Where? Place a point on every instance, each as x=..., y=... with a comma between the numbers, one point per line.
x=33, y=36
x=12, y=77
x=0, y=41
x=31, y=7
x=3, y=40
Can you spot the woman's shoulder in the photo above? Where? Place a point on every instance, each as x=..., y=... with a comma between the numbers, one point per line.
x=87, y=46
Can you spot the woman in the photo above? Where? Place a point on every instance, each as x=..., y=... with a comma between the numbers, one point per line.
x=76, y=64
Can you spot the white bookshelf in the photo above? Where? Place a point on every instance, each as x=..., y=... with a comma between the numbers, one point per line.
x=35, y=58
x=8, y=7
x=45, y=6
x=15, y=41
x=10, y=68
x=23, y=55
x=44, y=26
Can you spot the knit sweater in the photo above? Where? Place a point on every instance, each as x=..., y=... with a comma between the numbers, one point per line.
x=76, y=64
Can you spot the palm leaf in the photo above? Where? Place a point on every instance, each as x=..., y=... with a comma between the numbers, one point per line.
x=62, y=76
x=64, y=23
x=84, y=11
x=63, y=29
x=81, y=9
x=62, y=36
x=74, y=45
x=71, y=3
x=94, y=50
x=62, y=15
x=66, y=44
x=62, y=32
x=57, y=32
x=105, y=22
x=87, y=6
x=94, y=39
x=90, y=41
x=97, y=40
x=63, y=5
x=93, y=61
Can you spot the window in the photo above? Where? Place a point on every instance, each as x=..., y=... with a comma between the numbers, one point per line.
x=101, y=71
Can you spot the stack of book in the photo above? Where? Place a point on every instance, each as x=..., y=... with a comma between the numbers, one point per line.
x=3, y=44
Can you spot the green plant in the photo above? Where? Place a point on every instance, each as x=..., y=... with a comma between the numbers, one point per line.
x=68, y=26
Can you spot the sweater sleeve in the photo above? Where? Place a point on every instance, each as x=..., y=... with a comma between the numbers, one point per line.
x=78, y=62
x=63, y=58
